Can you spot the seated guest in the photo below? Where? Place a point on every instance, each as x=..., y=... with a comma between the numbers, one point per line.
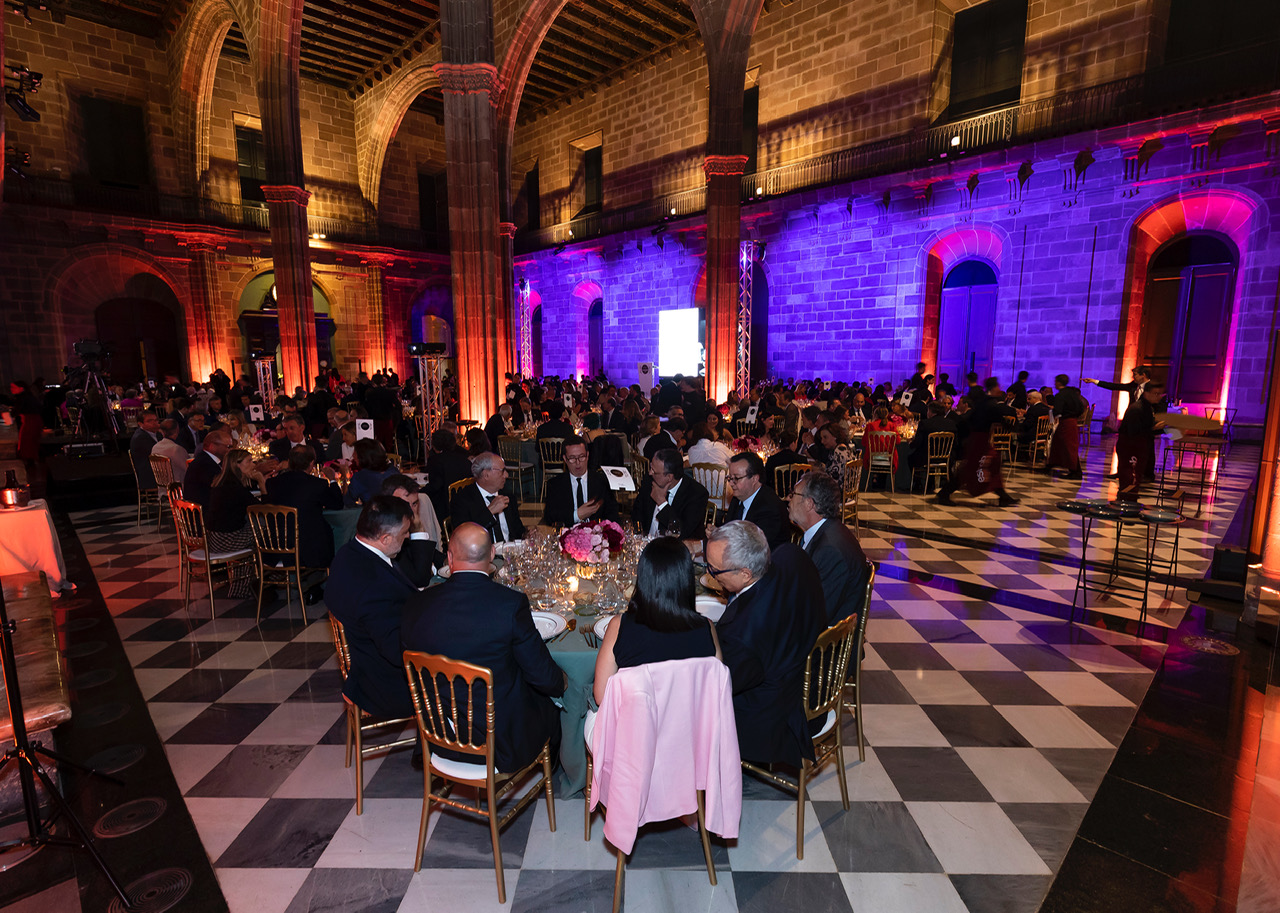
x=419, y=556
x=880, y=423
x=478, y=443
x=338, y=417
x=581, y=493
x=499, y=424
x=242, y=431
x=668, y=501
x=753, y=501
x=446, y=464
x=366, y=593
x=346, y=445
x=169, y=448
x=310, y=496
x=144, y=439
x=473, y=619
x=206, y=466
x=705, y=448
x=786, y=455
x=1035, y=409
x=661, y=622
x=295, y=433
x=670, y=436
x=555, y=425
x=775, y=614
x=226, y=519
x=371, y=468
x=196, y=430
x=651, y=426
x=842, y=567
x=484, y=503
x=937, y=421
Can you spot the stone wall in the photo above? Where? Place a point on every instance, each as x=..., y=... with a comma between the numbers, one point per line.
x=418, y=147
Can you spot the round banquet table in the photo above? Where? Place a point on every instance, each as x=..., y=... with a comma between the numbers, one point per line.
x=29, y=542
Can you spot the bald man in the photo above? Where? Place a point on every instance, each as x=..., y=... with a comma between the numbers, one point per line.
x=471, y=618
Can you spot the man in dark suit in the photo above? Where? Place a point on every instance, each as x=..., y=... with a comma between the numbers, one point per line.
x=611, y=418
x=773, y=618
x=499, y=424
x=555, y=425
x=667, y=497
x=366, y=592
x=446, y=464
x=1036, y=409
x=485, y=504
x=755, y=502
x=420, y=555
x=205, y=467
x=787, y=454
x=580, y=494
x=473, y=619
x=670, y=437
x=295, y=433
x=1017, y=391
x=140, y=445
x=937, y=422
x=310, y=496
x=842, y=565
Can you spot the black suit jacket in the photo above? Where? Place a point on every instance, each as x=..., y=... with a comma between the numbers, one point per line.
x=310, y=496
x=200, y=475
x=660, y=441
x=766, y=634
x=781, y=458
x=367, y=596
x=559, y=510
x=495, y=428
x=443, y=469
x=140, y=453
x=767, y=512
x=279, y=449
x=468, y=506
x=473, y=619
x=613, y=421
x=689, y=508
x=842, y=568
x=918, y=454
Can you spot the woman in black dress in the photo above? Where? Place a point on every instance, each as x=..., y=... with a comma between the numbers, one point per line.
x=661, y=622
x=227, y=518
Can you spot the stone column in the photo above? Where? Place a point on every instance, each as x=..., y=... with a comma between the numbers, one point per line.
x=202, y=340
x=724, y=235
x=375, y=308
x=291, y=261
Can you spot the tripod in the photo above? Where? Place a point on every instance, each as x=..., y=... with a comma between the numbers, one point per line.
x=100, y=399
x=25, y=755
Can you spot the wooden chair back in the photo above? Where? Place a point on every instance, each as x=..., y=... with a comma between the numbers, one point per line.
x=340, y=647
x=551, y=449
x=786, y=476
x=162, y=469
x=714, y=478
x=452, y=712
x=275, y=531
x=827, y=669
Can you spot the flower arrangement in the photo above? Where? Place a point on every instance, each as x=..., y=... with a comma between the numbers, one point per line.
x=593, y=542
x=746, y=443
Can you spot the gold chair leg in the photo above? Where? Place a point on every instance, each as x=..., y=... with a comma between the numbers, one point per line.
x=497, y=847
x=302, y=600
x=208, y=574
x=349, y=725
x=844, y=785
x=617, y=881
x=359, y=756
x=426, y=810
x=546, y=775
x=862, y=744
x=702, y=832
x=586, y=806
x=804, y=775
x=262, y=584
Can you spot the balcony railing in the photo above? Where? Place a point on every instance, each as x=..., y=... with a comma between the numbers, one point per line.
x=1244, y=72
x=254, y=217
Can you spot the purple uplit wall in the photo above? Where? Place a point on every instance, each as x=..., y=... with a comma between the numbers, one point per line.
x=854, y=271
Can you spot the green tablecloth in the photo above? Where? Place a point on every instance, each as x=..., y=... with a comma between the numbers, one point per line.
x=343, y=523
x=579, y=663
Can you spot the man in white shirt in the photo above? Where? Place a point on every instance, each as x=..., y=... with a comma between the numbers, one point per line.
x=579, y=494
x=169, y=448
x=485, y=504
x=842, y=566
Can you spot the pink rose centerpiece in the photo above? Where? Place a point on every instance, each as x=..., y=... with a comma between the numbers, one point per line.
x=746, y=443
x=593, y=542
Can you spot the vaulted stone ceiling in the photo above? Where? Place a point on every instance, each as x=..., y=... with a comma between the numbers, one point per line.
x=350, y=43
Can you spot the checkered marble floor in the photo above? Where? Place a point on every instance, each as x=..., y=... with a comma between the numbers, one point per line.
x=1030, y=552
x=989, y=728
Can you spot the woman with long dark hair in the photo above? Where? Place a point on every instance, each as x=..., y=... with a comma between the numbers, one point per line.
x=661, y=622
x=226, y=520
x=371, y=467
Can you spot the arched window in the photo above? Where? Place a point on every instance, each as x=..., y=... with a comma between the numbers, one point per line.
x=966, y=329
x=595, y=338
x=1186, y=315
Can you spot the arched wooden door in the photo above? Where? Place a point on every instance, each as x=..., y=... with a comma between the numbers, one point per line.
x=967, y=321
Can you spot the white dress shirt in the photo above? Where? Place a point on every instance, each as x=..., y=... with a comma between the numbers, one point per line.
x=811, y=532
x=502, y=517
x=671, y=496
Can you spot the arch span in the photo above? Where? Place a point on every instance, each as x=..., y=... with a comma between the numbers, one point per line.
x=938, y=256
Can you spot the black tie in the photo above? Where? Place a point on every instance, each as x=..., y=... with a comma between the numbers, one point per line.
x=496, y=523
x=577, y=493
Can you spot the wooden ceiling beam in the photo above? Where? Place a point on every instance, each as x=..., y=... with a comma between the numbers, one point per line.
x=576, y=65
x=667, y=17
x=642, y=12
x=317, y=31
x=544, y=75
x=626, y=18
x=610, y=32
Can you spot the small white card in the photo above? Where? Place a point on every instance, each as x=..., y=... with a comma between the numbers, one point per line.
x=619, y=478
x=752, y=413
x=255, y=414
x=364, y=429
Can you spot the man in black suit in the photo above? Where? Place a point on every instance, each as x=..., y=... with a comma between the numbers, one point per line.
x=670, y=437
x=196, y=431
x=146, y=437
x=1017, y=391
x=499, y=424
x=205, y=467
x=773, y=618
x=366, y=592
x=446, y=464
x=420, y=554
x=485, y=504
x=295, y=433
x=473, y=619
x=842, y=565
x=937, y=422
x=753, y=501
x=667, y=498
x=1036, y=409
x=555, y=425
x=787, y=454
x=611, y=418
x=580, y=494
x=310, y=496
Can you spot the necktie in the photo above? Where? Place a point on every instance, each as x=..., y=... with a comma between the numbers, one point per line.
x=577, y=493
x=496, y=523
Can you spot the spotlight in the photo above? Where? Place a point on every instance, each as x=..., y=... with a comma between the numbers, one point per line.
x=759, y=191
x=673, y=210
x=18, y=102
x=417, y=348
x=955, y=141
x=317, y=236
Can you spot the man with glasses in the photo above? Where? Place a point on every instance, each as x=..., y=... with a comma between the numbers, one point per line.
x=668, y=502
x=485, y=504
x=775, y=613
x=842, y=566
x=753, y=501
x=580, y=494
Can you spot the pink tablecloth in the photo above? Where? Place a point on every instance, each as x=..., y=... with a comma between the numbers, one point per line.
x=28, y=542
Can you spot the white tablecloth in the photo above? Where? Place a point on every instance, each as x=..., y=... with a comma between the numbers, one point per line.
x=28, y=542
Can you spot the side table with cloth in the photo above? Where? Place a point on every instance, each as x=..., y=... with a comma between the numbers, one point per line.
x=29, y=542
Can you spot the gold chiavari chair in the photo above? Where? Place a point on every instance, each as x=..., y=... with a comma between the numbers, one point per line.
x=147, y=497
x=551, y=450
x=851, y=485
x=509, y=450
x=162, y=469
x=437, y=685
x=1002, y=443
x=714, y=478
x=275, y=538
x=197, y=559
x=881, y=446
x=824, y=682
x=853, y=687
x=1086, y=423
x=938, y=465
x=786, y=476
x=361, y=723
x=1040, y=446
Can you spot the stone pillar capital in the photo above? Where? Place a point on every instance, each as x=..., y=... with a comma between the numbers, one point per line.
x=286, y=193
x=507, y=229
x=724, y=165
x=467, y=78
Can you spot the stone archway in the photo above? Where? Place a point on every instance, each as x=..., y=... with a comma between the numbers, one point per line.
x=193, y=63
x=938, y=257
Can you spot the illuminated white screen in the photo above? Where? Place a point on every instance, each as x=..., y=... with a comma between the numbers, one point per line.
x=679, y=351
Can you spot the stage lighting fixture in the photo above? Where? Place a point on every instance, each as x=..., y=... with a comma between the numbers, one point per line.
x=18, y=102
x=560, y=249
x=435, y=348
x=417, y=348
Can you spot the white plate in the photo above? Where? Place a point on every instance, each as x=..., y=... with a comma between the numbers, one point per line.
x=709, y=607
x=548, y=624
x=601, y=624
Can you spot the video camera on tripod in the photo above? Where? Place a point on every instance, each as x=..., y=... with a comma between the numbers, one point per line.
x=87, y=390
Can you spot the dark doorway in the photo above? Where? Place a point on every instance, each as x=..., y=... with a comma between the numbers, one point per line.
x=1186, y=316
x=967, y=321
x=142, y=337
x=759, y=323
x=595, y=338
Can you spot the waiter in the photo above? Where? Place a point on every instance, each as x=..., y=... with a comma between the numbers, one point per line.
x=980, y=471
x=1069, y=406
